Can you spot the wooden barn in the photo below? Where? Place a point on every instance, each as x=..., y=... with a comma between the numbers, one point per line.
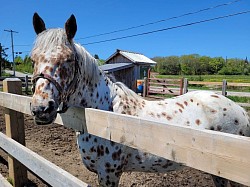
x=128, y=67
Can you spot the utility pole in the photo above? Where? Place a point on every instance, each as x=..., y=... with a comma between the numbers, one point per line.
x=12, y=46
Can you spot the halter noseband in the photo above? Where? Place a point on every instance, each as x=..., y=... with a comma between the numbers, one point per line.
x=63, y=96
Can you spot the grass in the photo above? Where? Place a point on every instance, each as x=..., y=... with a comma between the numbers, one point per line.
x=10, y=180
x=4, y=74
x=239, y=99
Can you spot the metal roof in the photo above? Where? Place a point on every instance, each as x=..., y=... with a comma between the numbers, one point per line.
x=108, y=68
x=133, y=57
x=137, y=57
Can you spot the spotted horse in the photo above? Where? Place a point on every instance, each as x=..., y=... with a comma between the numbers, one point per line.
x=66, y=75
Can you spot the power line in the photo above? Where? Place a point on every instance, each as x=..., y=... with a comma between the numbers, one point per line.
x=151, y=23
x=162, y=20
x=169, y=28
x=23, y=45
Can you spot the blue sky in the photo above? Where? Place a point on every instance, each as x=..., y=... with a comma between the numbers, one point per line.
x=226, y=37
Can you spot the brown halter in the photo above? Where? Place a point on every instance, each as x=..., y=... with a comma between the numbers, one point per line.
x=63, y=95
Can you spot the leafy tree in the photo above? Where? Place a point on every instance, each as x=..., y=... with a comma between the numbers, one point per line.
x=168, y=65
x=96, y=56
x=3, y=59
x=18, y=60
x=24, y=65
x=233, y=67
x=190, y=64
x=215, y=65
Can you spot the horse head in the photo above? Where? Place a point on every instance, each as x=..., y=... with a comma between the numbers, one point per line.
x=55, y=67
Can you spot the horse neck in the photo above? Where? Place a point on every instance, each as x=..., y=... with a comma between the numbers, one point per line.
x=94, y=88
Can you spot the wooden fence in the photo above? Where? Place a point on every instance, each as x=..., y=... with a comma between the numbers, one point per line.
x=205, y=150
x=26, y=82
x=158, y=88
x=13, y=143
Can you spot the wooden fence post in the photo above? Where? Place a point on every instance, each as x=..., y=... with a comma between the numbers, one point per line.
x=185, y=85
x=181, y=85
x=224, y=87
x=145, y=87
x=15, y=129
x=26, y=84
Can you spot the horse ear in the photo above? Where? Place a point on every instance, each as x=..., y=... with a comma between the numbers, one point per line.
x=71, y=27
x=38, y=24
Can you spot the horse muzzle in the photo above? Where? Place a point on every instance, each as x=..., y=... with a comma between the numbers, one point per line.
x=44, y=115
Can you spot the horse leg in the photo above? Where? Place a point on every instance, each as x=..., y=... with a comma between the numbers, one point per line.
x=219, y=181
x=235, y=184
x=110, y=179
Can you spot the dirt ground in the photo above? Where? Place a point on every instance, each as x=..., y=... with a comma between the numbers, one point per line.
x=58, y=145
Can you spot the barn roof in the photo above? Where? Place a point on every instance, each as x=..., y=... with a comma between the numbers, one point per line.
x=133, y=57
x=115, y=67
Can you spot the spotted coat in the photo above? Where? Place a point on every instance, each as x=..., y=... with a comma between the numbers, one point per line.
x=56, y=56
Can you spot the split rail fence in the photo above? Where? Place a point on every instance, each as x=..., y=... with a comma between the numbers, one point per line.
x=159, y=88
x=204, y=150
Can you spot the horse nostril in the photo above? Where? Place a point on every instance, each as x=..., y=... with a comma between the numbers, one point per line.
x=50, y=107
x=51, y=103
x=33, y=112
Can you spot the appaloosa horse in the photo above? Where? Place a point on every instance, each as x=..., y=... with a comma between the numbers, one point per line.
x=65, y=73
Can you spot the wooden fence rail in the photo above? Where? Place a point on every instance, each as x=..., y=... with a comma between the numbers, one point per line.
x=14, y=143
x=158, y=88
x=201, y=149
x=205, y=150
x=163, y=86
x=46, y=170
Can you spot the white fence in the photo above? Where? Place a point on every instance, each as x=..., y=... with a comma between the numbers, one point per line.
x=221, y=154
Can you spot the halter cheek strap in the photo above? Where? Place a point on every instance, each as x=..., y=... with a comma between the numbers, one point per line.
x=63, y=95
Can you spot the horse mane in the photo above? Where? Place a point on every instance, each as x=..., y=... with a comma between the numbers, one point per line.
x=48, y=39
x=88, y=63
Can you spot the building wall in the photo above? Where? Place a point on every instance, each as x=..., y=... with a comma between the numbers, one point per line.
x=127, y=77
x=118, y=59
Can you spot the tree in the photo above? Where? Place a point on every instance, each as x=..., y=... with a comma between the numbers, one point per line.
x=195, y=64
x=233, y=67
x=3, y=57
x=215, y=65
x=203, y=65
x=18, y=60
x=168, y=65
x=189, y=64
x=96, y=56
x=24, y=65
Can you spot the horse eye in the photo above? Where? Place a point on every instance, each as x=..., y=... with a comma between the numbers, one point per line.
x=69, y=60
